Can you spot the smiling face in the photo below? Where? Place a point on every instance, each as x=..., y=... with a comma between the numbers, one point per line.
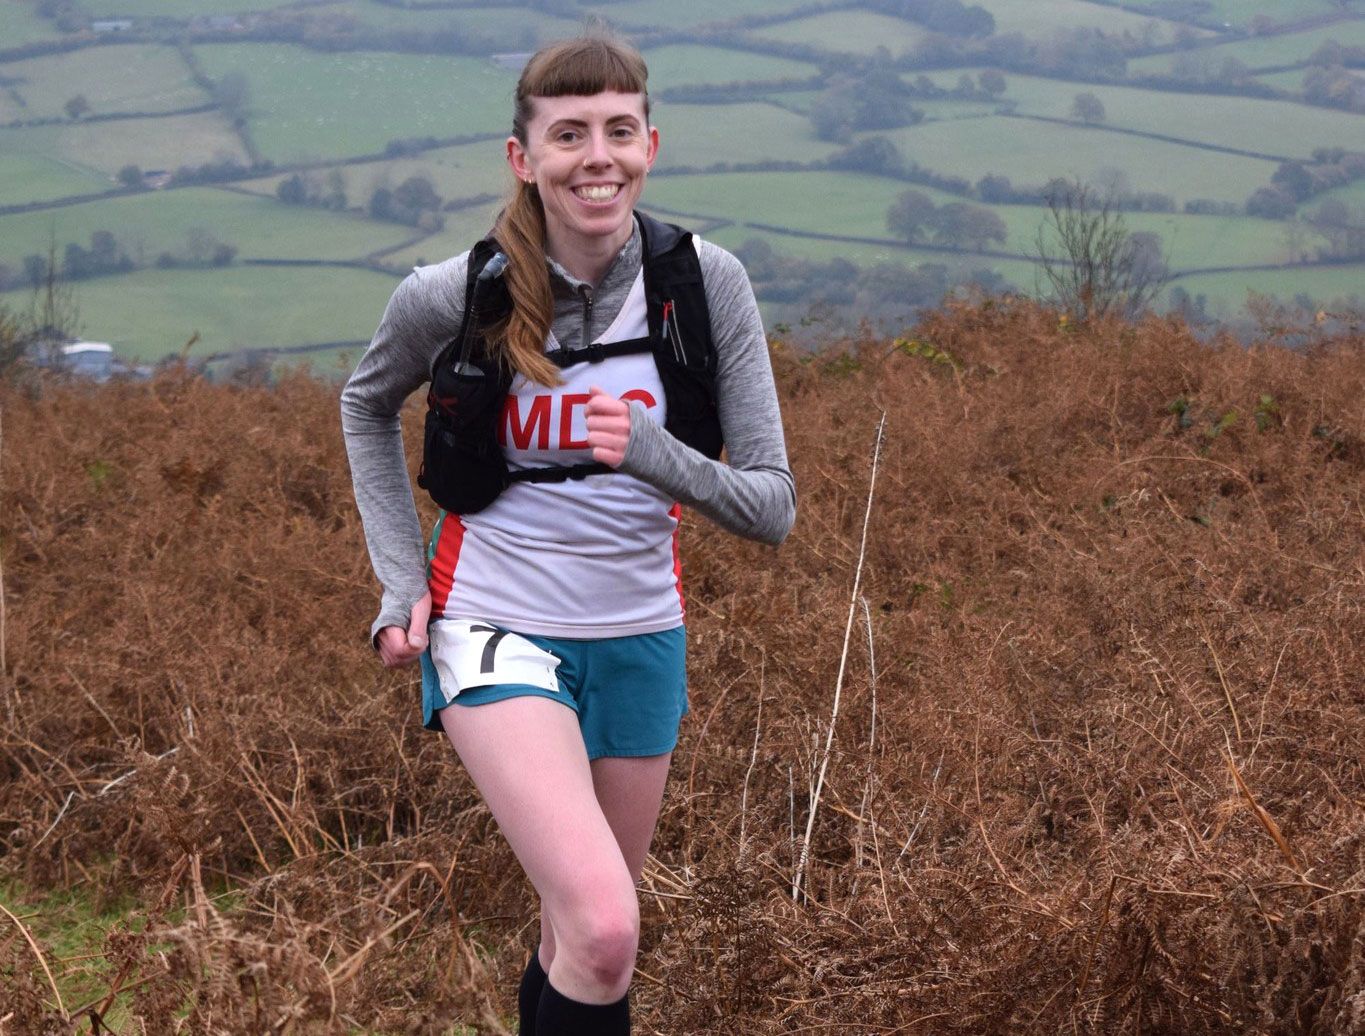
x=587, y=156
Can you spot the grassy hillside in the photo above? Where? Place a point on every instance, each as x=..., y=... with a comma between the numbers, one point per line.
x=149, y=224
x=1279, y=49
x=152, y=313
x=306, y=105
x=1032, y=152
x=1245, y=123
x=106, y=147
x=1096, y=754
x=852, y=32
x=365, y=95
x=112, y=79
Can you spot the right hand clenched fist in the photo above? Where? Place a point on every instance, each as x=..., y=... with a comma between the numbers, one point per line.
x=400, y=647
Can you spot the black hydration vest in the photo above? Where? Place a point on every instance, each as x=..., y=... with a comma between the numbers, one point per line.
x=463, y=467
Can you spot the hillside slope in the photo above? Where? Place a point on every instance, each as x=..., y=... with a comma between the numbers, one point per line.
x=1105, y=774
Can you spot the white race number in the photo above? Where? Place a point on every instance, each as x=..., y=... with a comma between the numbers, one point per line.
x=469, y=653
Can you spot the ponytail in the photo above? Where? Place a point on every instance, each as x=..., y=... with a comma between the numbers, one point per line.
x=520, y=232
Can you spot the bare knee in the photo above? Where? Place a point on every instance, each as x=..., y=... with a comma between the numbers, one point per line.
x=599, y=943
x=610, y=944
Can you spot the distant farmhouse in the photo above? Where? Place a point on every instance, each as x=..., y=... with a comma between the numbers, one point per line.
x=94, y=360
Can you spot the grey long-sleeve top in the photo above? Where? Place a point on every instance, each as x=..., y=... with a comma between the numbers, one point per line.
x=753, y=495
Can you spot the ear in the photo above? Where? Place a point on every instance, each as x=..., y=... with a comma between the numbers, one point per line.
x=516, y=159
x=653, y=147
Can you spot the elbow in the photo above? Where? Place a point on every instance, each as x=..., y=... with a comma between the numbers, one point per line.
x=349, y=404
x=788, y=519
x=778, y=524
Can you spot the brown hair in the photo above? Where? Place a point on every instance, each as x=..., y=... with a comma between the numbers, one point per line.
x=581, y=66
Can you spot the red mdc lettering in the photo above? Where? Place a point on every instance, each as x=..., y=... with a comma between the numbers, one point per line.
x=541, y=414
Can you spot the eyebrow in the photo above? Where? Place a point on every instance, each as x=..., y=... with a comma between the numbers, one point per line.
x=624, y=117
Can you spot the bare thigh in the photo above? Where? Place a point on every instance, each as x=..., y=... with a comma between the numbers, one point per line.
x=526, y=757
x=630, y=793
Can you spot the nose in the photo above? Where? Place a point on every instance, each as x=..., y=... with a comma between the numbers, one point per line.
x=598, y=152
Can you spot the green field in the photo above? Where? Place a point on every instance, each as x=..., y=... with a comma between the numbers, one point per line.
x=1202, y=241
x=26, y=177
x=1324, y=284
x=1265, y=51
x=702, y=134
x=1351, y=193
x=1017, y=271
x=1241, y=12
x=1032, y=152
x=106, y=147
x=1250, y=124
x=799, y=101
x=1291, y=81
x=1041, y=18
x=131, y=78
x=849, y=32
x=464, y=171
x=856, y=206
x=11, y=108
x=147, y=224
x=308, y=105
x=672, y=15
x=680, y=64
x=331, y=364
x=20, y=24
x=462, y=229
x=505, y=28
x=152, y=313
x=954, y=109
x=178, y=9
x=819, y=202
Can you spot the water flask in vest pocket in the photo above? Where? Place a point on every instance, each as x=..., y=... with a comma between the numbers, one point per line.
x=462, y=465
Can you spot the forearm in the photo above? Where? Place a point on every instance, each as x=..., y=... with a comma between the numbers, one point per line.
x=754, y=495
x=757, y=501
x=383, y=495
x=423, y=313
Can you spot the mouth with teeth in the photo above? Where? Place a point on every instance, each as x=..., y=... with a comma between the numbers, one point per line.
x=597, y=192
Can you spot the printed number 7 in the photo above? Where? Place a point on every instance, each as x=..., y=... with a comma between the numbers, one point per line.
x=489, y=649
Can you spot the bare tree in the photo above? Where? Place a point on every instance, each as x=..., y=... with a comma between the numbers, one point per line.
x=54, y=317
x=1095, y=267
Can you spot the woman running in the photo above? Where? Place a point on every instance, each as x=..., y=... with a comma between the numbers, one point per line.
x=549, y=616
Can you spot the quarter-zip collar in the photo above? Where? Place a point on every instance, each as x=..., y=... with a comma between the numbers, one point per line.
x=623, y=268
x=580, y=307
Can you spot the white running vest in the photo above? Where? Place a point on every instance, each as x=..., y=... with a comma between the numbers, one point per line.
x=588, y=558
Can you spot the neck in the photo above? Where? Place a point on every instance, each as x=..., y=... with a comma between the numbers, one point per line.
x=587, y=258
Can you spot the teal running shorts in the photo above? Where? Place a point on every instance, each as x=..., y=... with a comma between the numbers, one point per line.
x=630, y=693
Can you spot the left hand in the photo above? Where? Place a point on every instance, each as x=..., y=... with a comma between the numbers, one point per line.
x=608, y=427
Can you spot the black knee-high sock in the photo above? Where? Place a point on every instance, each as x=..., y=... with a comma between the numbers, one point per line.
x=528, y=996
x=557, y=1015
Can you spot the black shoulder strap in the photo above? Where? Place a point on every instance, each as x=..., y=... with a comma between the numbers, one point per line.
x=479, y=255
x=673, y=282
